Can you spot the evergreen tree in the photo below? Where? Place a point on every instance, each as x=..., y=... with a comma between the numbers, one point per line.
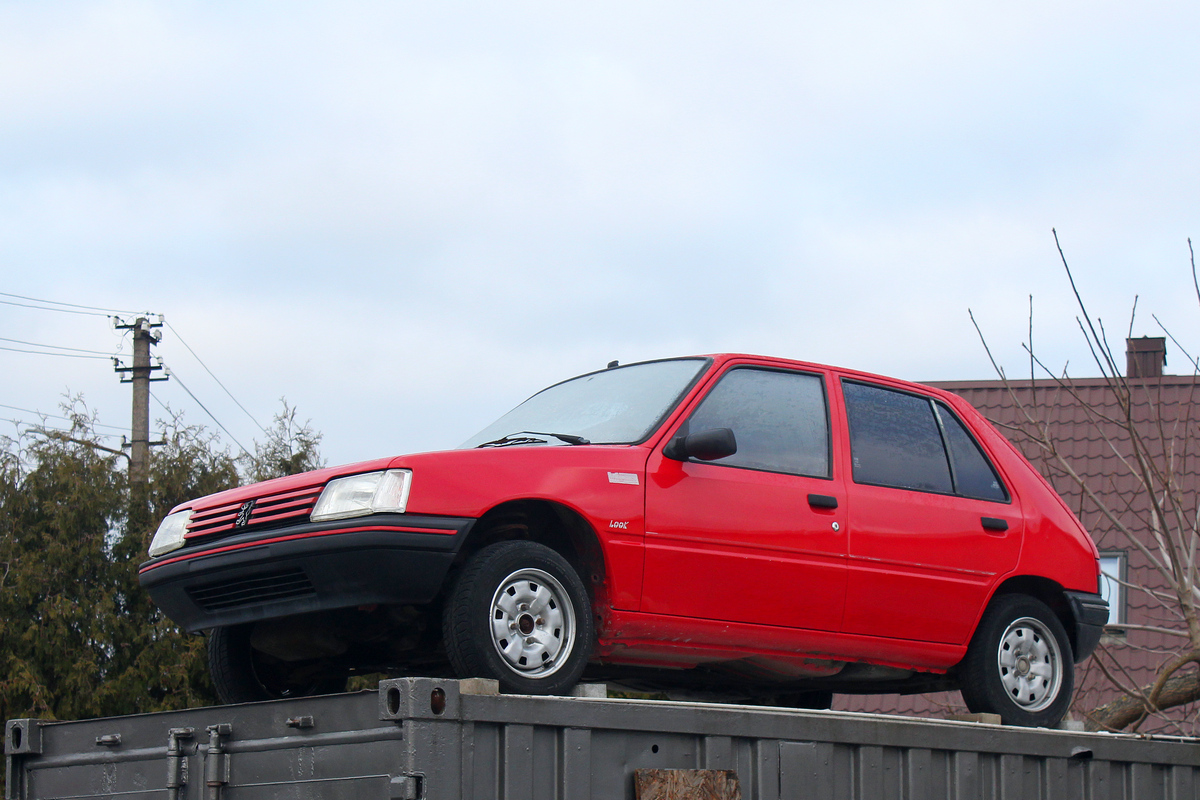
x=61, y=507
x=78, y=636
x=289, y=449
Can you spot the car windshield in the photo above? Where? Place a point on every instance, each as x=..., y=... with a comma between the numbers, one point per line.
x=620, y=405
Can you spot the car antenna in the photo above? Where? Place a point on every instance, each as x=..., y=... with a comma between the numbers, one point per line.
x=612, y=364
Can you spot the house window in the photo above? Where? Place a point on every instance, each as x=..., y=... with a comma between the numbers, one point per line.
x=1112, y=586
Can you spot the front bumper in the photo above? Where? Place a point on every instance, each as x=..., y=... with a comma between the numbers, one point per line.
x=382, y=558
x=1090, y=612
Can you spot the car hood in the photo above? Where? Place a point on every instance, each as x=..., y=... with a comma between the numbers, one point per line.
x=282, y=485
x=467, y=482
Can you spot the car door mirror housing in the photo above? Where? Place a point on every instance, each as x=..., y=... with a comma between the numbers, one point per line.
x=708, y=445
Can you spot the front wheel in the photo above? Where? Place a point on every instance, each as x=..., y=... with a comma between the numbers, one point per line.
x=1019, y=664
x=242, y=674
x=520, y=614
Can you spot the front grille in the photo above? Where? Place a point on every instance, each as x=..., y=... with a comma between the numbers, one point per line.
x=270, y=511
x=252, y=590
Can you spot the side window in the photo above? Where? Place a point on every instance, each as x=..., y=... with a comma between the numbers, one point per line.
x=895, y=440
x=973, y=474
x=779, y=419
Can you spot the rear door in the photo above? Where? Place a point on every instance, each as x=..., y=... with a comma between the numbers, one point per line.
x=932, y=525
x=758, y=536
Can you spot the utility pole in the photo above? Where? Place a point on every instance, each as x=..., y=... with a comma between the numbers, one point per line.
x=145, y=334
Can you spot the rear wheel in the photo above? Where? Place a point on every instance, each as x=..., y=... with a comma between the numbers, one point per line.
x=520, y=614
x=241, y=674
x=1019, y=664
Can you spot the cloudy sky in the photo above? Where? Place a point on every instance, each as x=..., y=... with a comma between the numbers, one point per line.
x=406, y=217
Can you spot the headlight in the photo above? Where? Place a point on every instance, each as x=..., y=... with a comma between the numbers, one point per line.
x=359, y=495
x=169, y=535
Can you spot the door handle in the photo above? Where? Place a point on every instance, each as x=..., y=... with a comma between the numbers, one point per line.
x=822, y=501
x=994, y=524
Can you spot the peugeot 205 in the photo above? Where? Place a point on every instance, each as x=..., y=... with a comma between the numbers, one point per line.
x=752, y=526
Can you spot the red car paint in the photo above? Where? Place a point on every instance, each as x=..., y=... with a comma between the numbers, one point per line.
x=702, y=563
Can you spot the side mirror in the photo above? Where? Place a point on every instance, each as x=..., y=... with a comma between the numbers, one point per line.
x=706, y=445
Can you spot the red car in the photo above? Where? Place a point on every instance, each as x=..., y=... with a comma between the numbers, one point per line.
x=754, y=527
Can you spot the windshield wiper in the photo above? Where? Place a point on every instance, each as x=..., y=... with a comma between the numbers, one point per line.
x=527, y=437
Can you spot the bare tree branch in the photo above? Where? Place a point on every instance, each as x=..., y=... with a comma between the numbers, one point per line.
x=84, y=442
x=1149, y=443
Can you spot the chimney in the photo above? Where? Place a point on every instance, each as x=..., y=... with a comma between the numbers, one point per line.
x=1145, y=357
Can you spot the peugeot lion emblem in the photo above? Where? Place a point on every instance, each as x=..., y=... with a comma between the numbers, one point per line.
x=243, y=517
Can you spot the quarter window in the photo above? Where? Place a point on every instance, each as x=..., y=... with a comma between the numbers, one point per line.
x=973, y=475
x=779, y=419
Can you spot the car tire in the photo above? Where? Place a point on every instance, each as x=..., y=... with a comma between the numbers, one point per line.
x=241, y=674
x=1019, y=664
x=519, y=613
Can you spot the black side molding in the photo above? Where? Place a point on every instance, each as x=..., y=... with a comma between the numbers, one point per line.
x=822, y=501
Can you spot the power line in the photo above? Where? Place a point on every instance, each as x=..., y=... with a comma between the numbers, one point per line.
x=40, y=353
x=175, y=375
x=214, y=377
x=39, y=428
x=165, y=407
x=59, y=416
x=55, y=346
x=60, y=303
x=76, y=308
x=63, y=310
x=20, y=422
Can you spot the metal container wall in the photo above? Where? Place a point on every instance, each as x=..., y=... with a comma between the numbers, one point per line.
x=450, y=740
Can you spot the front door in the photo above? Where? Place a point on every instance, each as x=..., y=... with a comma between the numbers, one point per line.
x=758, y=536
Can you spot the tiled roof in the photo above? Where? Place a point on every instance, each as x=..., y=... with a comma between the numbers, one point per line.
x=1083, y=421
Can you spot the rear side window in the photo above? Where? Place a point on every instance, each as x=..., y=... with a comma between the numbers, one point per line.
x=895, y=440
x=911, y=442
x=779, y=419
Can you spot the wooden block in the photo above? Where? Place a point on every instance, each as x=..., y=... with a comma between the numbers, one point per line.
x=686, y=784
x=485, y=686
x=987, y=719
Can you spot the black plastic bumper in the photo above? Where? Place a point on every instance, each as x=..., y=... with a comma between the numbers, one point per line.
x=385, y=558
x=1091, y=613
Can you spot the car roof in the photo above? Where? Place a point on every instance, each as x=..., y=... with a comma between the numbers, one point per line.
x=725, y=358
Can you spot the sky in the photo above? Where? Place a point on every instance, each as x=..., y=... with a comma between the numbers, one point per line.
x=406, y=217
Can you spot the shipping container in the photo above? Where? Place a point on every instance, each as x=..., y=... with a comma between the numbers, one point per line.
x=427, y=739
